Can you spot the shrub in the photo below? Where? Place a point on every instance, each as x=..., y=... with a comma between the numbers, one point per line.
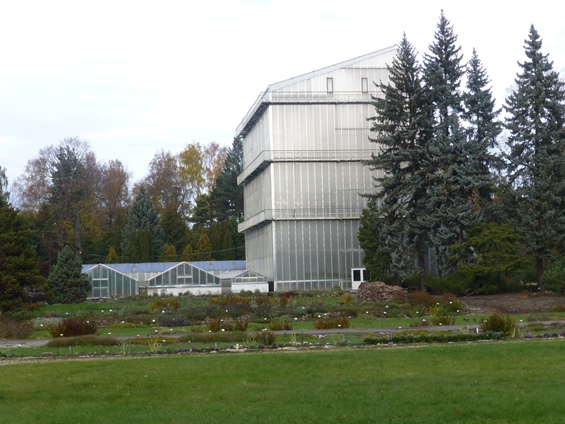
x=123, y=324
x=263, y=300
x=283, y=302
x=230, y=299
x=240, y=324
x=436, y=310
x=231, y=337
x=71, y=327
x=333, y=322
x=497, y=323
x=88, y=340
x=154, y=341
x=419, y=323
x=428, y=337
x=165, y=304
x=444, y=320
x=11, y=328
x=237, y=309
x=215, y=325
x=225, y=324
x=558, y=308
x=280, y=325
x=346, y=298
x=417, y=298
x=266, y=338
x=170, y=320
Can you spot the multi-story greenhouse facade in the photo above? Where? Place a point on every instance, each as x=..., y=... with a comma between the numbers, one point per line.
x=305, y=140
x=172, y=278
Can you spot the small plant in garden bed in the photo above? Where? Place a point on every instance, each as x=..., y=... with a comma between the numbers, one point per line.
x=280, y=325
x=338, y=339
x=346, y=298
x=444, y=320
x=227, y=324
x=499, y=323
x=420, y=323
x=283, y=301
x=154, y=345
x=266, y=338
x=332, y=322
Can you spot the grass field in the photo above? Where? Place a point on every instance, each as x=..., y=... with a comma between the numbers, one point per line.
x=511, y=382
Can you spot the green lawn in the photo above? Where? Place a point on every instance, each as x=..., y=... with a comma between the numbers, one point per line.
x=511, y=382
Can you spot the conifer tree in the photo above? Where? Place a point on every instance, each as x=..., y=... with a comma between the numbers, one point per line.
x=169, y=254
x=480, y=114
x=112, y=257
x=174, y=228
x=142, y=236
x=203, y=251
x=227, y=196
x=20, y=281
x=67, y=282
x=187, y=255
x=398, y=210
x=228, y=253
x=483, y=127
x=536, y=166
x=453, y=181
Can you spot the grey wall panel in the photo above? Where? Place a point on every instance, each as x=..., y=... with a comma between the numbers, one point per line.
x=259, y=246
x=316, y=250
x=333, y=186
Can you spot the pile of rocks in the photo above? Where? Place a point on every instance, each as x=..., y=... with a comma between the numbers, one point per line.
x=375, y=291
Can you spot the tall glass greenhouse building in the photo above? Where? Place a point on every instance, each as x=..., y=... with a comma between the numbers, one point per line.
x=305, y=140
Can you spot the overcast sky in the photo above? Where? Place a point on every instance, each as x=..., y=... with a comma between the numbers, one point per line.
x=134, y=77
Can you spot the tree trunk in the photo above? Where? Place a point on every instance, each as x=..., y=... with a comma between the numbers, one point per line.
x=539, y=272
x=78, y=237
x=422, y=264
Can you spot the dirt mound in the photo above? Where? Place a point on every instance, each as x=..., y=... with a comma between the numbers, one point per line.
x=513, y=303
x=375, y=291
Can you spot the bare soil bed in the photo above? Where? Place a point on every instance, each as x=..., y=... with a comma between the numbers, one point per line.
x=514, y=303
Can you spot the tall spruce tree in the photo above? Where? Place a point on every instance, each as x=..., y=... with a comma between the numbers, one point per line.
x=453, y=181
x=536, y=166
x=398, y=210
x=482, y=127
x=143, y=236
